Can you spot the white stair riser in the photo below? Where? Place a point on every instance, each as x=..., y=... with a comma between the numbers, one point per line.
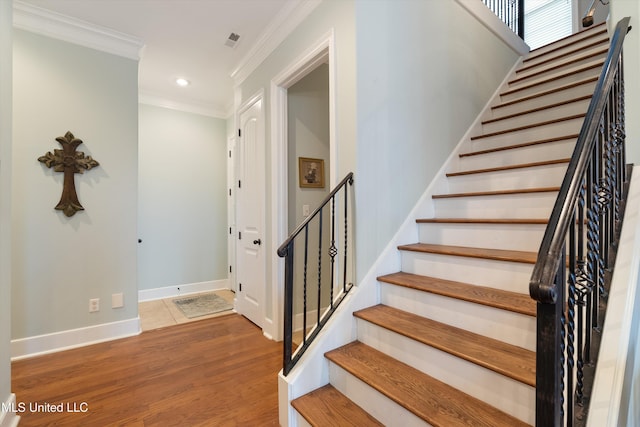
x=517, y=237
x=503, y=325
x=566, y=110
x=300, y=421
x=373, y=402
x=578, y=40
x=509, y=276
x=534, y=153
x=569, y=52
x=530, y=177
x=553, y=68
x=533, y=205
x=501, y=110
x=522, y=89
x=504, y=393
x=536, y=133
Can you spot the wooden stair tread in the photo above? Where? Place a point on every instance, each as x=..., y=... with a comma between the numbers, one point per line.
x=429, y=399
x=491, y=297
x=533, y=221
x=521, y=145
x=595, y=66
x=497, y=192
x=469, y=252
x=509, y=167
x=326, y=406
x=506, y=359
x=505, y=104
x=529, y=126
x=538, y=109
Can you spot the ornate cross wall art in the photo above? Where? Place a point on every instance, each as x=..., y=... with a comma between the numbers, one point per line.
x=69, y=161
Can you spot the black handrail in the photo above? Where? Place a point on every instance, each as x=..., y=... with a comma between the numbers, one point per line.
x=511, y=12
x=571, y=274
x=291, y=355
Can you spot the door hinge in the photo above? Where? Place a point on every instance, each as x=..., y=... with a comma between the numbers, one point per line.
x=230, y=269
x=240, y=287
x=239, y=184
x=239, y=235
x=229, y=192
x=229, y=230
x=239, y=133
x=229, y=153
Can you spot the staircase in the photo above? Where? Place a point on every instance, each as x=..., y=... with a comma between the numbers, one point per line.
x=452, y=341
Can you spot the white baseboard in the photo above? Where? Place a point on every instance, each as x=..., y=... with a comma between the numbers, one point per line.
x=65, y=340
x=179, y=290
x=8, y=412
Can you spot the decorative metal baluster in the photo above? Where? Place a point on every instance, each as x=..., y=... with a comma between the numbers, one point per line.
x=319, y=266
x=333, y=251
x=304, y=283
x=571, y=304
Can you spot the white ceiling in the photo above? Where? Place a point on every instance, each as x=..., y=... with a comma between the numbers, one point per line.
x=183, y=38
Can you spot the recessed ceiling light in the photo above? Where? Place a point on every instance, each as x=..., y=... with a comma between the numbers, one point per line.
x=182, y=82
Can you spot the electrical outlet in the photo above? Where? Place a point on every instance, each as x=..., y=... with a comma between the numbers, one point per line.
x=94, y=305
x=117, y=300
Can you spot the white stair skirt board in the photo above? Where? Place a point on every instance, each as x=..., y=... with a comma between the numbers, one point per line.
x=181, y=290
x=8, y=412
x=73, y=338
x=506, y=394
x=507, y=326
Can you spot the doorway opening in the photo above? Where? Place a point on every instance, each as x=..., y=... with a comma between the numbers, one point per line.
x=302, y=90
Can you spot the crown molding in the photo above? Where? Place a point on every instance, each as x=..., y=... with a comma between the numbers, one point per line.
x=55, y=25
x=280, y=27
x=203, y=110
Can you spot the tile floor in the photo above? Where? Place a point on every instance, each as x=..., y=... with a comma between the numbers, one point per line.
x=162, y=313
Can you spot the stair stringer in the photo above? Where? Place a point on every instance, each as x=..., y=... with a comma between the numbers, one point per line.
x=312, y=371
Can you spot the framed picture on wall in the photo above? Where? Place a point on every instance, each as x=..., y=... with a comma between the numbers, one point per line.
x=311, y=172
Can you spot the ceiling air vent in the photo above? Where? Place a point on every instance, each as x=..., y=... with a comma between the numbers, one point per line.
x=232, y=40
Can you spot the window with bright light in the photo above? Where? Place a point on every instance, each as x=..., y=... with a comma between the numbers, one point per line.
x=546, y=21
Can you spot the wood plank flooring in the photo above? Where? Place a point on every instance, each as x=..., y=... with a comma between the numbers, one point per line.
x=215, y=372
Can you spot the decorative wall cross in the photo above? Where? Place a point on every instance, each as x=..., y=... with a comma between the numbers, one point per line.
x=69, y=161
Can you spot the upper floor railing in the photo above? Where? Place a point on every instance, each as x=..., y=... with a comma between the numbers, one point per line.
x=571, y=277
x=318, y=264
x=511, y=12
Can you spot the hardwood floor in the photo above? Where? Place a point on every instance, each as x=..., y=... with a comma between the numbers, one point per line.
x=215, y=372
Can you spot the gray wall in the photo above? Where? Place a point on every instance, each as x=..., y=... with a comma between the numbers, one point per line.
x=5, y=198
x=308, y=136
x=182, y=217
x=59, y=263
x=425, y=70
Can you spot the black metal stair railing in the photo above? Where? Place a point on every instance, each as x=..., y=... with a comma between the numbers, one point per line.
x=511, y=12
x=571, y=277
x=317, y=275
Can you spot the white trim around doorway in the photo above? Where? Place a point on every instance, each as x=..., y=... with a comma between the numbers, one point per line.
x=321, y=52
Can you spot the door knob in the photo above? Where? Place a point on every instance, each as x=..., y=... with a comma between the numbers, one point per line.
x=257, y=242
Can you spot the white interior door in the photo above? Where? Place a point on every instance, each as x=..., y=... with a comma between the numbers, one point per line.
x=250, y=210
